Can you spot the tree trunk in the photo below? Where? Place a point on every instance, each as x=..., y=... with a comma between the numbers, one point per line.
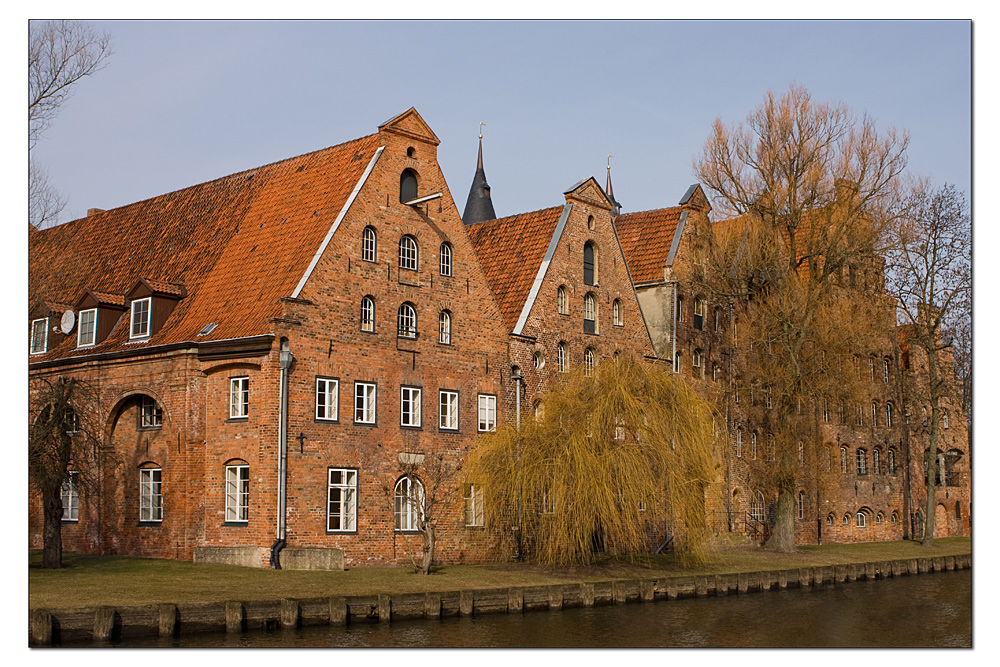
x=783, y=537
x=428, y=555
x=930, y=458
x=52, y=510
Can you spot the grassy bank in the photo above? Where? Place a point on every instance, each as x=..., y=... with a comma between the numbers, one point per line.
x=88, y=581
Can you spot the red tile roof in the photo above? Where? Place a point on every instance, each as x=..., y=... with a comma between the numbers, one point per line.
x=510, y=250
x=237, y=244
x=646, y=237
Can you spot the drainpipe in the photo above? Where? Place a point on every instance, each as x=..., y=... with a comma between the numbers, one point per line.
x=673, y=330
x=515, y=375
x=285, y=361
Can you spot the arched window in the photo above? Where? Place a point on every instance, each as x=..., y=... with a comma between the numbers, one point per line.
x=801, y=505
x=862, y=460
x=444, y=328
x=888, y=415
x=885, y=371
x=590, y=222
x=407, y=186
x=879, y=518
x=589, y=314
x=368, y=314
x=445, y=256
x=876, y=461
x=828, y=463
x=739, y=442
x=677, y=363
x=829, y=519
x=715, y=372
x=539, y=410
x=923, y=410
x=890, y=461
x=369, y=244
x=680, y=309
x=561, y=358
x=589, y=361
x=589, y=263
x=862, y=519
x=871, y=368
x=847, y=520
x=826, y=410
x=736, y=337
x=698, y=364
x=894, y=518
x=770, y=452
x=753, y=446
x=538, y=359
x=699, y=313
x=843, y=459
x=408, y=503
x=406, y=321
x=874, y=413
x=408, y=253
x=718, y=320
x=758, y=510
x=802, y=453
x=561, y=306
x=616, y=312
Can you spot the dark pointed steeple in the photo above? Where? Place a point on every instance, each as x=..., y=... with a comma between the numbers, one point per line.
x=616, y=208
x=479, y=206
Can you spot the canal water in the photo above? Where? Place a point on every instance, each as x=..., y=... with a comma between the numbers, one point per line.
x=921, y=611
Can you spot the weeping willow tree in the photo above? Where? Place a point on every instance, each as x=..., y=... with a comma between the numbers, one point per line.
x=611, y=453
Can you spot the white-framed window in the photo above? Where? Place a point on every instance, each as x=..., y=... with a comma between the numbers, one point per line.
x=364, y=402
x=538, y=359
x=829, y=520
x=826, y=411
x=680, y=309
x=561, y=304
x=446, y=259
x=561, y=358
x=879, y=519
x=342, y=500
x=589, y=361
x=843, y=459
x=408, y=253
x=474, y=506
x=368, y=314
x=70, y=495
x=487, y=413
x=862, y=461
x=141, y=313
x=739, y=443
x=237, y=493
x=847, y=520
x=888, y=415
x=874, y=413
x=802, y=453
x=944, y=419
x=753, y=446
x=150, y=413
x=677, y=361
x=769, y=452
x=409, y=406
x=616, y=313
x=890, y=461
x=71, y=421
x=408, y=503
x=767, y=397
x=698, y=363
x=406, y=321
x=876, y=461
x=327, y=399
x=589, y=314
x=239, y=397
x=699, y=314
x=150, y=495
x=715, y=372
x=548, y=502
x=801, y=505
x=39, y=336
x=861, y=520
x=86, y=332
x=448, y=410
x=539, y=409
x=885, y=371
x=369, y=244
x=718, y=320
x=444, y=328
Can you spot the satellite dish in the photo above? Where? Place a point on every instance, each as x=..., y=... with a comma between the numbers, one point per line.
x=67, y=322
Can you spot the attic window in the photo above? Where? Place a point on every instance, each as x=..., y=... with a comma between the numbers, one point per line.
x=207, y=329
x=86, y=333
x=140, y=317
x=411, y=152
x=407, y=186
x=39, y=335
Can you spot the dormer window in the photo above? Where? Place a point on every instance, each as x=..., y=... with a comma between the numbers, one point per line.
x=141, y=311
x=86, y=334
x=40, y=336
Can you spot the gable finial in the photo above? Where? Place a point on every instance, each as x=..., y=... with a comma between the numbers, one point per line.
x=481, y=125
x=616, y=208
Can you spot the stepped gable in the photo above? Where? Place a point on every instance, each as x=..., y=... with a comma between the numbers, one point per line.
x=510, y=250
x=646, y=238
x=236, y=244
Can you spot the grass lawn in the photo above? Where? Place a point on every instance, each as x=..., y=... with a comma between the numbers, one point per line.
x=88, y=581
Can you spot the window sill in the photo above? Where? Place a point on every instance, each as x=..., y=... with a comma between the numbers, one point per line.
x=407, y=532
x=411, y=428
x=366, y=423
x=319, y=420
x=447, y=430
x=342, y=532
x=69, y=521
x=236, y=524
x=237, y=420
x=151, y=428
x=150, y=523
x=476, y=527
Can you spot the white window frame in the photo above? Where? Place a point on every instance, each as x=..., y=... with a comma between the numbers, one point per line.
x=408, y=504
x=368, y=314
x=589, y=362
x=801, y=505
x=561, y=301
x=699, y=311
x=445, y=259
x=409, y=406
x=328, y=389
x=487, y=413
x=590, y=309
x=150, y=413
x=151, y=495
x=447, y=410
x=406, y=321
x=616, y=313
x=365, y=397
x=342, y=500
x=861, y=521
x=561, y=360
x=444, y=328
x=409, y=253
x=70, y=495
x=41, y=326
x=876, y=461
x=739, y=442
x=861, y=461
x=369, y=244
x=888, y=414
x=85, y=327
x=474, y=515
x=138, y=328
x=239, y=397
x=238, y=493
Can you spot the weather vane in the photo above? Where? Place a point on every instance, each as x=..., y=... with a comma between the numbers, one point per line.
x=481, y=130
x=609, y=161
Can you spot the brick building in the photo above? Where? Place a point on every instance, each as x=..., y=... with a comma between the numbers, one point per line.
x=270, y=349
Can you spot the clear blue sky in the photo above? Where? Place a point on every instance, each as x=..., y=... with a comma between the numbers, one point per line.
x=185, y=102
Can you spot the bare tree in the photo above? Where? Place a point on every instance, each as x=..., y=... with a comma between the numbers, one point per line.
x=930, y=274
x=607, y=458
x=60, y=53
x=63, y=441
x=809, y=187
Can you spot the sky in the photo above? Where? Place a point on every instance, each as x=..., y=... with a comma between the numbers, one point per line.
x=183, y=102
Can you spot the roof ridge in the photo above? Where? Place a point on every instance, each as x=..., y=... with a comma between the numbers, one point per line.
x=515, y=215
x=652, y=210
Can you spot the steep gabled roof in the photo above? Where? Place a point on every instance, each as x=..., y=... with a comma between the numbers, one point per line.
x=647, y=238
x=237, y=244
x=510, y=251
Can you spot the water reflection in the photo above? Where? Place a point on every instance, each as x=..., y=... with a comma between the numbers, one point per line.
x=919, y=611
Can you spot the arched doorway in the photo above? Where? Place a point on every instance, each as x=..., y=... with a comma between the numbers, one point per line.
x=941, y=521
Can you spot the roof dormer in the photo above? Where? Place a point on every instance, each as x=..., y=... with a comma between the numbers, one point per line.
x=97, y=313
x=150, y=303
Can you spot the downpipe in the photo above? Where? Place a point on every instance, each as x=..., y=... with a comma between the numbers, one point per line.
x=285, y=360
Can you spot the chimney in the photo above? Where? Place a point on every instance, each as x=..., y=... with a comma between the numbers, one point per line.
x=94, y=211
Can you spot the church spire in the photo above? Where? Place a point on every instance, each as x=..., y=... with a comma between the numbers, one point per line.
x=616, y=207
x=479, y=206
